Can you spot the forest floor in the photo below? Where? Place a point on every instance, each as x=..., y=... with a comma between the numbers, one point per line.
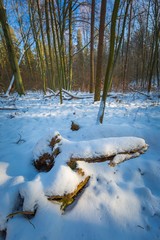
x=121, y=202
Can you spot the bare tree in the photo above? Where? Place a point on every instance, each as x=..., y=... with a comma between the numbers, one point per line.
x=108, y=76
x=11, y=52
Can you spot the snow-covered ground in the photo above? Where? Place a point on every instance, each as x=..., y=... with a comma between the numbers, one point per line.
x=121, y=202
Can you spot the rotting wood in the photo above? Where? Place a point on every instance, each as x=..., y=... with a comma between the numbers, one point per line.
x=54, y=140
x=67, y=199
x=74, y=166
x=56, y=152
x=44, y=163
x=80, y=171
x=75, y=126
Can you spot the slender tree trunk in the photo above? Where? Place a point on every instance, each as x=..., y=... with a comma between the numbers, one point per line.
x=127, y=49
x=155, y=45
x=25, y=37
x=59, y=44
x=108, y=76
x=43, y=40
x=52, y=83
x=54, y=39
x=11, y=52
x=41, y=64
x=70, y=45
x=158, y=64
x=92, y=48
x=100, y=51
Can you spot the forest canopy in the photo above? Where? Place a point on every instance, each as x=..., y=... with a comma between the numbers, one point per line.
x=66, y=44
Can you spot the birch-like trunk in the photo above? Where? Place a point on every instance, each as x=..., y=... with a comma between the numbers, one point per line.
x=13, y=77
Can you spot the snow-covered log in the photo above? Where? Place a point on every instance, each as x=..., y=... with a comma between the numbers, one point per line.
x=69, y=95
x=115, y=150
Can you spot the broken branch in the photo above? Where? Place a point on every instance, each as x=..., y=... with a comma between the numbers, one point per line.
x=24, y=213
x=68, y=199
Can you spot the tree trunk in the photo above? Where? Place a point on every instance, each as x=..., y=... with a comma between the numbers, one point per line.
x=13, y=77
x=154, y=59
x=127, y=48
x=108, y=76
x=10, y=48
x=70, y=45
x=52, y=83
x=43, y=41
x=92, y=48
x=38, y=48
x=100, y=51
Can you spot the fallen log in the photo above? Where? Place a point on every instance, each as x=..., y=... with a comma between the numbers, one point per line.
x=115, y=150
x=114, y=159
x=71, y=96
x=68, y=199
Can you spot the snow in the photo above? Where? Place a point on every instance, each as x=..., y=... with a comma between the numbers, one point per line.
x=121, y=202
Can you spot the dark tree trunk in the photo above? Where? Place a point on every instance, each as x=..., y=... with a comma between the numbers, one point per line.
x=100, y=51
x=92, y=48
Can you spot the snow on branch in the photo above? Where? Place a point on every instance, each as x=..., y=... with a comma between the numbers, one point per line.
x=71, y=96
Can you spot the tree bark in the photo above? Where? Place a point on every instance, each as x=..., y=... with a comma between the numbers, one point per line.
x=100, y=51
x=127, y=47
x=70, y=45
x=52, y=82
x=10, y=48
x=36, y=39
x=92, y=48
x=108, y=76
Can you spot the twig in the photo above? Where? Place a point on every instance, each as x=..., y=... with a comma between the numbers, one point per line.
x=134, y=90
x=140, y=226
x=6, y=108
x=25, y=213
x=30, y=222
